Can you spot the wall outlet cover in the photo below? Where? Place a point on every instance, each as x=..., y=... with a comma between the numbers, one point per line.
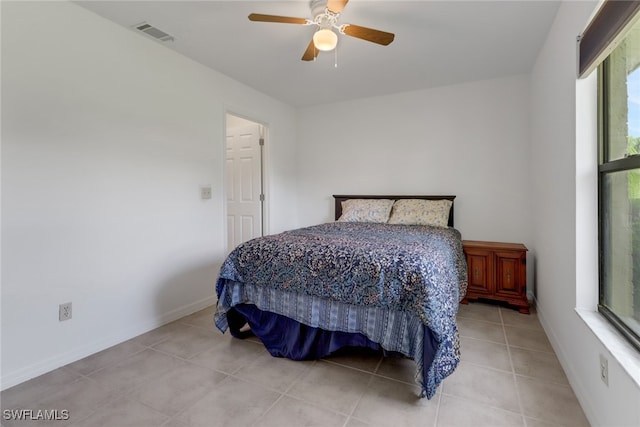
x=65, y=311
x=604, y=370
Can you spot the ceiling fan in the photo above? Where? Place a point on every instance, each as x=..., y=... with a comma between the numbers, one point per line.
x=325, y=16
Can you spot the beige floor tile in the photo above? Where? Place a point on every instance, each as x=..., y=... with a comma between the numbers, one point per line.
x=130, y=373
x=202, y=318
x=273, y=372
x=483, y=385
x=124, y=413
x=254, y=339
x=160, y=334
x=485, y=353
x=177, y=389
x=511, y=317
x=106, y=357
x=398, y=368
x=528, y=338
x=538, y=364
x=35, y=389
x=550, y=402
x=331, y=386
x=532, y=422
x=215, y=379
x=289, y=411
x=234, y=402
x=228, y=355
x=457, y=412
x=189, y=342
x=354, y=422
x=481, y=330
x=174, y=422
x=392, y=403
x=358, y=358
x=79, y=398
x=480, y=311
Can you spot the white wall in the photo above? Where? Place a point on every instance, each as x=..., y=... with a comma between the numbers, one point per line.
x=106, y=139
x=469, y=140
x=565, y=223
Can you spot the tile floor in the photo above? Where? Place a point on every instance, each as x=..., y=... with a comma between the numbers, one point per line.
x=188, y=374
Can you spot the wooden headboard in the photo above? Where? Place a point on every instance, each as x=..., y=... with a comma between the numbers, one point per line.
x=340, y=198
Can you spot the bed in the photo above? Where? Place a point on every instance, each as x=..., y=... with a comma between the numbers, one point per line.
x=378, y=277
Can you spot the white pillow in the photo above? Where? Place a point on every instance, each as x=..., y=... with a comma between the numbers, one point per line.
x=366, y=210
x=421, y=212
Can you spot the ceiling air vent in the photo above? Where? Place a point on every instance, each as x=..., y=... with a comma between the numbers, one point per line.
x=154, y=32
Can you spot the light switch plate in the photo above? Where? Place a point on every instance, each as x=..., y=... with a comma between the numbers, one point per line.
x=205, y=192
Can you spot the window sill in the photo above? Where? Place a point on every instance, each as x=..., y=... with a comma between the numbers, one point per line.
x=623, y=352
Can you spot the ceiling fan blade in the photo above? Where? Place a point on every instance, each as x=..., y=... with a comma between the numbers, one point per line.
x=311, y=53
x=368, y=34
x=336, y=6
x=275, y=18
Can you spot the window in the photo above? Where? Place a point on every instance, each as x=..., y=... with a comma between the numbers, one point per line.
x=619, y=186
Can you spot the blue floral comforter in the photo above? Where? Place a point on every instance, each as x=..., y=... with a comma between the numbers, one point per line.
x=417, y=271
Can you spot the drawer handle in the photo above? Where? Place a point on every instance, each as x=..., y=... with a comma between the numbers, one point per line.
x=508, y=277
x=476, y=273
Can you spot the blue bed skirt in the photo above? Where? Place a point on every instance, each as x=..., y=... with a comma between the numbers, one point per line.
x=285, y=337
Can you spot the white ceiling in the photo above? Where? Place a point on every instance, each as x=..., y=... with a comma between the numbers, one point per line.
x=437, y=43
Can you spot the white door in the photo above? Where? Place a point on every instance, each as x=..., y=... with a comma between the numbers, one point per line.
x=244, y=183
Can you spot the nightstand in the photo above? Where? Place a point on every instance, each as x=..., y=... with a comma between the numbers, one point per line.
x=498, y=272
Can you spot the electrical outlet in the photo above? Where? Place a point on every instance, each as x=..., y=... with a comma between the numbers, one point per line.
x=205, y=192
x=604, y=369
x=64, y=311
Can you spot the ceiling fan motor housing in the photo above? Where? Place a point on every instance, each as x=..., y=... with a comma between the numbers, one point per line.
x=317, y=7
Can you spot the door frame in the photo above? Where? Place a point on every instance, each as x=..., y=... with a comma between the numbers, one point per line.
x=263, y=175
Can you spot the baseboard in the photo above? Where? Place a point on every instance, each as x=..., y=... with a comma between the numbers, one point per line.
x=14, y=378
x=574, y=380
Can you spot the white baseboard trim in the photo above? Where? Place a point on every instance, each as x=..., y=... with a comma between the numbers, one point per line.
x=24, y=374
x=574, y=379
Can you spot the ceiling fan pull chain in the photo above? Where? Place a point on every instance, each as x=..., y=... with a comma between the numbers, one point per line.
x=335, y=58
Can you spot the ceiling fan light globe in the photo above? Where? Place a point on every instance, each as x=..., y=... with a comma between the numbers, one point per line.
x=325, y=39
